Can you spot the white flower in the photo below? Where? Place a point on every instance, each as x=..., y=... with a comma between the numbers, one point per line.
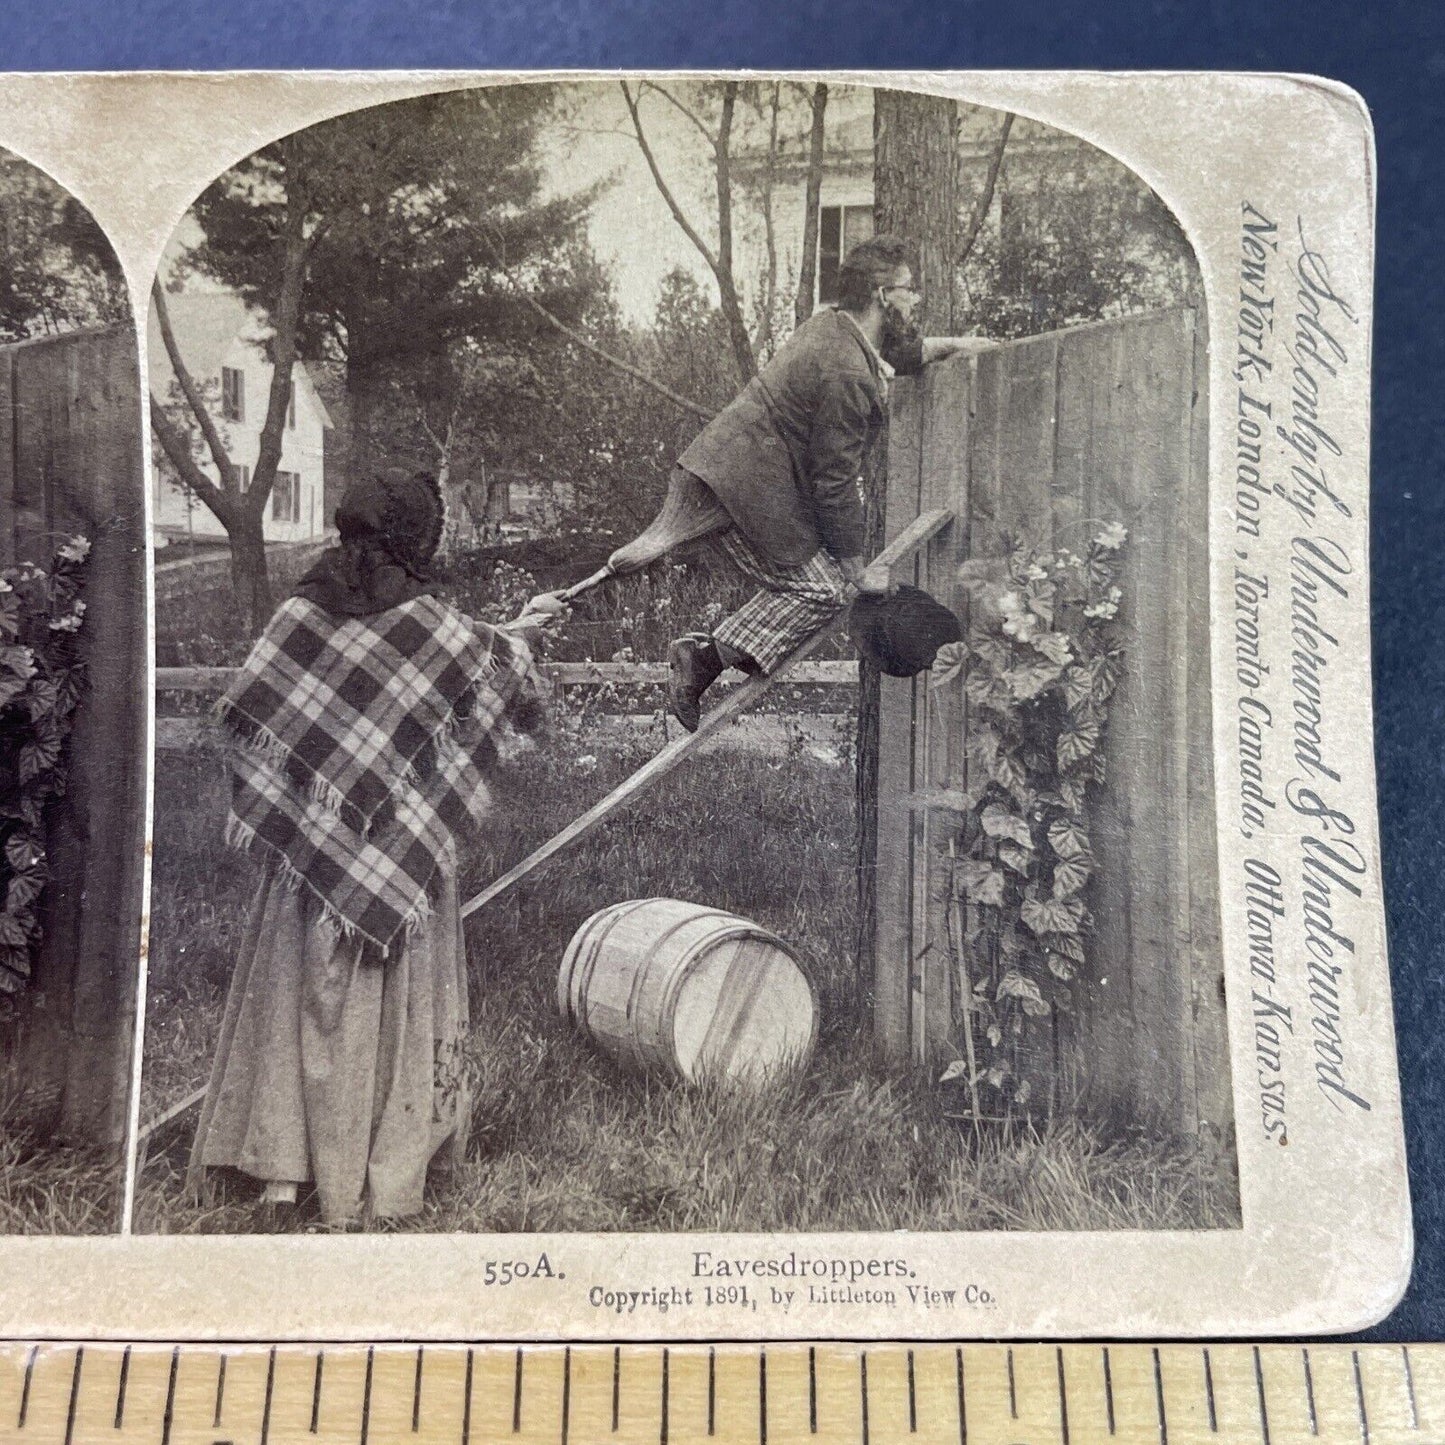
x=5, y=586
x=76, y=550
x=586, y=763
x=1035, y=573
x=66, y=624
x=1112, y=537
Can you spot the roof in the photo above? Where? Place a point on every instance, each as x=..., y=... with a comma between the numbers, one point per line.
x=207, y=325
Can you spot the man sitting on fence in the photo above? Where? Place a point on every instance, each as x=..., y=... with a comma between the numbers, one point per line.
x=786, y=461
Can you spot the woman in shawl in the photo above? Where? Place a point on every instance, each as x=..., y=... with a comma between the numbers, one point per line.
x=364, y=730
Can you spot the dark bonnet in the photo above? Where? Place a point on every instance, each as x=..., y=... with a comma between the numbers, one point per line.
x=390, y=529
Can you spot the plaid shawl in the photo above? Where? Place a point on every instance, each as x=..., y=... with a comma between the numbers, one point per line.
x=361, y=748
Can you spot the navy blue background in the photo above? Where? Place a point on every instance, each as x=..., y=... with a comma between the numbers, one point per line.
x=1393, y=52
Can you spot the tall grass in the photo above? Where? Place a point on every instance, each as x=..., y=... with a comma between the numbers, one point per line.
x=564, y=1140
x=47, y=1187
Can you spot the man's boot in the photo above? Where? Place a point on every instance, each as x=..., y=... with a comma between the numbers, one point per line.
x=694, y=665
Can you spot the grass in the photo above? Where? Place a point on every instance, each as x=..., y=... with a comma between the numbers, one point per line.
x=561, y=1138
x=49, y=1188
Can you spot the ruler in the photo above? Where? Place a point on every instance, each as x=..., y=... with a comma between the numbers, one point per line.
x=833, y=1394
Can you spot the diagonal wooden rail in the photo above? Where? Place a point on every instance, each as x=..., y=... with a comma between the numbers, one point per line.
x=914, y=536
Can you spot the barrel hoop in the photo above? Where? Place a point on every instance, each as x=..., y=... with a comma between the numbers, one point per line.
x=604, y=921
x=682, y=965
x=584, y=945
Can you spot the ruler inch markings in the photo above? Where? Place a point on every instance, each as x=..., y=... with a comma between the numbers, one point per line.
x=882, y=1393
x=1410, y=1387
x=1309, y=1374
x=962, y=1397
x=1159, y=1398
x=1360, y=1399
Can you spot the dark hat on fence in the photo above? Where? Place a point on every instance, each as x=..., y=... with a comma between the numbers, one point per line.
x=901, y=632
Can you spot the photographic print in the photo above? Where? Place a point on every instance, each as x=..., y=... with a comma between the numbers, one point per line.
x=73, y=703
x=680, y=358
x=759, y=685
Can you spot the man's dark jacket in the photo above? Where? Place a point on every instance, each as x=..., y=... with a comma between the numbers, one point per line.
x=786, y=456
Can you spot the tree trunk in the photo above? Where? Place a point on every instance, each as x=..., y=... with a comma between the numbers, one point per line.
x=249, y=578
x=915, y=196
x=812, y=205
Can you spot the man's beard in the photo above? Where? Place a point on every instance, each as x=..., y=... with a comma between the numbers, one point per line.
x=899, y=332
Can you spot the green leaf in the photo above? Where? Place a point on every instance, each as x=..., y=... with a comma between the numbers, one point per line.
x=1021, y=1094
x=948, y=663
x=1076, y=744
x=1014, y=985
x=1071, y=874
x=22, y=892
x=998, y=822
x=21, y=852
x=1019, y=859
x=1079, y=682
x=1061, y=967
x=1008, y=772
x=13, y=933
x=1069, y=944
x=1026, y=683
x=987, y=891
x=1055, y=646
x=956, y=1070
x=1072, y=792
x=1067, y=838
x=1052, y=915
x=997, y=1075
x=994, y=1035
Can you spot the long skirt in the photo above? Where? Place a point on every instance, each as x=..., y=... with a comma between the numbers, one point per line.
x=335, y=1067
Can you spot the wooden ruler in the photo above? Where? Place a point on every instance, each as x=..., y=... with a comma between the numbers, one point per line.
x=833, y=1394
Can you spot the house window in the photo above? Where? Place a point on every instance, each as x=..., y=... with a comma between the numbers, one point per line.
x=286, y=497
x=233, y=394
x=840, y=228
x=243, y=476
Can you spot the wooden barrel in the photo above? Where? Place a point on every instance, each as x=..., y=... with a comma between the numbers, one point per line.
x=688, y=990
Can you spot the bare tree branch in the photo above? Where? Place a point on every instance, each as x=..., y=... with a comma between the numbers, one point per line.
x=721, y=261
x=764, y=340
x=812, y=198
x=668, y=96
x=635, y=372
x=985, y=198
x=677, y=214
x=177, y=448
x=192, y=393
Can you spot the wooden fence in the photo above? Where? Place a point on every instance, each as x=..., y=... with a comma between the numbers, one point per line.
x=1049, y=438
x=71, y=461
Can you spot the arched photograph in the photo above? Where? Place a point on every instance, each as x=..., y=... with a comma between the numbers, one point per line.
x=683, y=698
x=72, y=710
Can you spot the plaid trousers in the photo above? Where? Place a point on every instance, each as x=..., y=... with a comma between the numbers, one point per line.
x=793, y=604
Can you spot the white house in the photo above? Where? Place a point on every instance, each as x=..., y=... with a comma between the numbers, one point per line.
x=221, y=343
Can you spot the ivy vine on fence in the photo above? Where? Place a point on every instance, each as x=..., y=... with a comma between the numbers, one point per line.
x=1039, y=662
x=41, y=681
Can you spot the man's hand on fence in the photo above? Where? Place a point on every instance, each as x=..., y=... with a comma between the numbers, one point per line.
x=874, y=579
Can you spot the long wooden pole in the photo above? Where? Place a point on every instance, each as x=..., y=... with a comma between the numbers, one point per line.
x=904, y=545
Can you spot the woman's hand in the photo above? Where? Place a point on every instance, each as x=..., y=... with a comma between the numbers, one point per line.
x=543, y=611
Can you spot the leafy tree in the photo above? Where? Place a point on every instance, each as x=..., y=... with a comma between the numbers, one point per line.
x=1077, y=237
x=400, y=242
x=57, y=270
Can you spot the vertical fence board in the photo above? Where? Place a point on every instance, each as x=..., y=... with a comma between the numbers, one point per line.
x=78, y=469
x=1052, y=438
x=893, y=973
x=1210, y=1022
x=943, y=484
